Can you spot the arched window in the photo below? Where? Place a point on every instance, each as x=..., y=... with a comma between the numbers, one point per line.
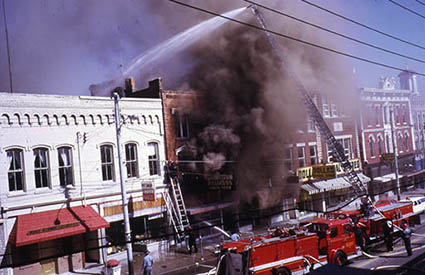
x=387, y=142
x=404, y=114
x=131, y=161
x=15, y=163
x=406, y=142
x=65, y=166
x=400, y=142
x=153, y=156
x=41, y=167
x=380, y=145
x=372, y=146
x=107, y=160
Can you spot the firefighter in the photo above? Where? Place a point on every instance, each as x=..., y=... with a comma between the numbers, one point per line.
x=406, y=237
x=388, y=234
x=192, y=240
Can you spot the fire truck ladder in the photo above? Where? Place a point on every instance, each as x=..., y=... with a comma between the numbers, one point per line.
x=181, y=219
x=336, y=148
x=172, y=213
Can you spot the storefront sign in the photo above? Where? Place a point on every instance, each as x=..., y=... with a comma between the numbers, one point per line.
x=387, y=157
x=148, y=191
x=221, y=182
x=305, y=173
x=324, y=171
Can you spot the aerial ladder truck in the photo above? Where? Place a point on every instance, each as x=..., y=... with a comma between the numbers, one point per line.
x=335, y=147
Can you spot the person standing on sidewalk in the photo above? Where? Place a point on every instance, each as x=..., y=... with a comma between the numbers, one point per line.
x=147, y=264
x=406, y=238
x=192, y=239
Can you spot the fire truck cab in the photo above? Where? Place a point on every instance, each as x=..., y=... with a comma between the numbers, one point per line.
x=289, y=251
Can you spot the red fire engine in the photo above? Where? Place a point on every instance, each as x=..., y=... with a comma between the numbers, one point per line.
x=370, y=229
x=290, y=251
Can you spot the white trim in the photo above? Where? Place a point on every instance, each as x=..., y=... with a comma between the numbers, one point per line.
x=276, y=263
x=312, y=143
x=300, y=144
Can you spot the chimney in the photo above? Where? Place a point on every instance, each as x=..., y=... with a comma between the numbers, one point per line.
x=129, y=85
x=156, y=85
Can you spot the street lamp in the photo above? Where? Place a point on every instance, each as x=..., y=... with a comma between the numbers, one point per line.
x=397, y=180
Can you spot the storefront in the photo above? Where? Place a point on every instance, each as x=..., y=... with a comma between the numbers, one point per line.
x=55, y=241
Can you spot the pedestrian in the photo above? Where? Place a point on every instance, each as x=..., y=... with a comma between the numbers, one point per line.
x=406, y=237
x=192, y=240
x=388, y=234
x=147, y=264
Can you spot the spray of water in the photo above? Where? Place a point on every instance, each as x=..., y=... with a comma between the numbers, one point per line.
x=217, y=228
x=179, y=42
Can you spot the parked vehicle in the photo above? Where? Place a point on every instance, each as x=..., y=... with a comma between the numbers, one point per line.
x=418, y=204
x=290, y=251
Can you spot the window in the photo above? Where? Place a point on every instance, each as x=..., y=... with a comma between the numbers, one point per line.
x=182, y=125
x=377, y=114
x=301, y=156
x=325, y=106
x=153, y=158
x=313, y=155
x=404, y=114
x=400, y=142
x=387, y=139
x=107, y=160
x=288, y=158
x=334, y=110
x=372, y=146
x=65, y=166
x=380, y=145
x=310, y=124
x=131, y=160
x=406, y=142
x=397, y=114
x=41, y=167
x=15, y=160
x=386, y=114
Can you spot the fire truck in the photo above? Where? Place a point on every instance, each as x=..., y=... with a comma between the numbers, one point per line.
x=370, y=228
x=290, y=251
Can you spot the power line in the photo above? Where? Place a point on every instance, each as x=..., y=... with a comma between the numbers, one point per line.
x=407, y=9
x=364, y=25
x=295, y=39
x=336, y=33
x=420, y=2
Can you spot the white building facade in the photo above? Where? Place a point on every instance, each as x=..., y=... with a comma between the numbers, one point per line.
x=58, y=154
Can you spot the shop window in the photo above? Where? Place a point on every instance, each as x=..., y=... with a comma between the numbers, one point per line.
x=107, y=162
x=65, y=166
x=131, y=161
x=41, y=168
x=15, y=161
x=153, y=158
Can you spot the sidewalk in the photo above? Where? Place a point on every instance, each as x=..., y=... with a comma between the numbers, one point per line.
x=165, y=262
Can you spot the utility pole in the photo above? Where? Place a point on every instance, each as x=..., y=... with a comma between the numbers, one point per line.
x=127, y=230
x=397, y=180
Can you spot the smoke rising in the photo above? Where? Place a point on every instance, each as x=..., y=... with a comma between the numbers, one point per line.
x=251, y=108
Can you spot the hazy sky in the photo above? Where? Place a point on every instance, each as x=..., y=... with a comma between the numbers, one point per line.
x=63, y=46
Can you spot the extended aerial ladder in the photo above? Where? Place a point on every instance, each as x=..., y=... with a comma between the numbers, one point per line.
x=336, y=148
x=175, y=205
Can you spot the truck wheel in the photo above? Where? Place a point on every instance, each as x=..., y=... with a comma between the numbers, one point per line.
x=340, y=258
x=281, y=271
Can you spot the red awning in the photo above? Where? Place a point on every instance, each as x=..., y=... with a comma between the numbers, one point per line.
x=54, y=224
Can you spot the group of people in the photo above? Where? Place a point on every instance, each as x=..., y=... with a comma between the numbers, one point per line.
x=405, y=235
